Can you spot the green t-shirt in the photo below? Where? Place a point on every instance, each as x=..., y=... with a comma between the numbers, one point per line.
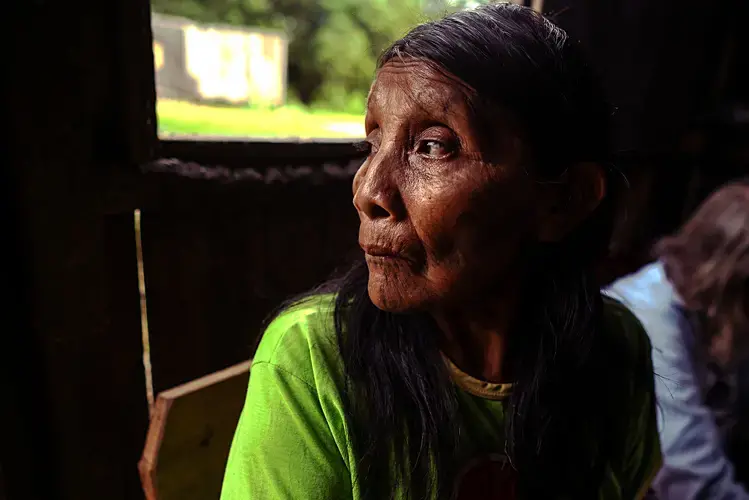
x=292, y=440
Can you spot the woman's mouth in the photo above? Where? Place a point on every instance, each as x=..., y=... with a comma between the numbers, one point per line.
x=382, y=252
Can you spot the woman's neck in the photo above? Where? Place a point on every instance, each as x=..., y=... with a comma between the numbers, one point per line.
x=476, y=337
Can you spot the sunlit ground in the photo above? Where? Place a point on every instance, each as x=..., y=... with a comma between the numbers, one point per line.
x=185, y=118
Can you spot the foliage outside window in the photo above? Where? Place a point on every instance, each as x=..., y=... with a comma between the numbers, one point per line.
x=331, y=49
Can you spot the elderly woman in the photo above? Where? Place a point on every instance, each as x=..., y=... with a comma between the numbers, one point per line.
x=694, y=304
x=470, y=354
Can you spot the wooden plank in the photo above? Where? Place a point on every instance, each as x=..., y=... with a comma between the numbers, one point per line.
x=190, y=436
x=341, y=231
x=91, y=408
x=133, y=85
x=80, y=396
x=205, y=318
x=658, y=61
x=24, y=430
x=243, y=262
x=185, y=181
x=233, y=152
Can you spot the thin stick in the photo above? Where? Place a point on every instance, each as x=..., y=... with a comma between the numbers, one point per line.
x=143, y=313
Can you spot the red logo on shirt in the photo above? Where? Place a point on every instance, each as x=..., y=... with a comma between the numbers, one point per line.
x=490, y=477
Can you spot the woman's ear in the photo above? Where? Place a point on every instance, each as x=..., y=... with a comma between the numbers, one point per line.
x=565, y=203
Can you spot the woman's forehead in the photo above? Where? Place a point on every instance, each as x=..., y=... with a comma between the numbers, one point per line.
x=403, y=85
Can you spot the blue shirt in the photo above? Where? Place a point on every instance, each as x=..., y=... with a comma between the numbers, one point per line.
x=694, y=462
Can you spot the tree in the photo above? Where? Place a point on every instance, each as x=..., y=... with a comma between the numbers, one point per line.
x=334, y=44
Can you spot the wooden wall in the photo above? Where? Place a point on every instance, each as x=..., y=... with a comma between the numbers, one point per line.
x=78, y=105
x=220, y=259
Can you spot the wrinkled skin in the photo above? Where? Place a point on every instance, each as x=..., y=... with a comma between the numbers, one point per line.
x=440, y=224
x=451, y=213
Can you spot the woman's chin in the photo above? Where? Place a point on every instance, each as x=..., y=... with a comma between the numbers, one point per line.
x=389, y=299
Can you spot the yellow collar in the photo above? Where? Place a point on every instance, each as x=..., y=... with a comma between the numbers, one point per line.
x=471, y=385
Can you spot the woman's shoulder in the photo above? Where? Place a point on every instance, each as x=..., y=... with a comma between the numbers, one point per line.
x=301, y=340
x=651, y=298
x=626, y=330
x=630, y=355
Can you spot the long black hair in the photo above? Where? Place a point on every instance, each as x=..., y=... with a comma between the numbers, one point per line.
x=400, y=402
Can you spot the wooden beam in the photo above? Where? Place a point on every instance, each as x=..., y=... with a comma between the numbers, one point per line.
x=228, y=166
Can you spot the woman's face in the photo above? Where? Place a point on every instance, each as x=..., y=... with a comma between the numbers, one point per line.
x=445, y=209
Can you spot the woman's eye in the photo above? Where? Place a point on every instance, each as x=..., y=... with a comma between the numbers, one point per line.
x=365, y=147
x=371, y=144
x=433, y=148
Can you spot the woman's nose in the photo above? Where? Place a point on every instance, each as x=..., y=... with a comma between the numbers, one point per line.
x=376, y=193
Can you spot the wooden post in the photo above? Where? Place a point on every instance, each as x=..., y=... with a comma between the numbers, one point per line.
x=74, y=408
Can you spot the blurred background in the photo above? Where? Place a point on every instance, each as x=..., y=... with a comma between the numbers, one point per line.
x=288, y=68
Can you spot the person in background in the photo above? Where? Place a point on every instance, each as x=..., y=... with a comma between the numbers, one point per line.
x=694, y=304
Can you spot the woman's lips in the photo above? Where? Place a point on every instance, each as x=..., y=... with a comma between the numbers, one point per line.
x=377, y=251
x=385, y=253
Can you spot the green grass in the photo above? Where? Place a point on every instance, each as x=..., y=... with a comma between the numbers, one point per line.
x=184, y=118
